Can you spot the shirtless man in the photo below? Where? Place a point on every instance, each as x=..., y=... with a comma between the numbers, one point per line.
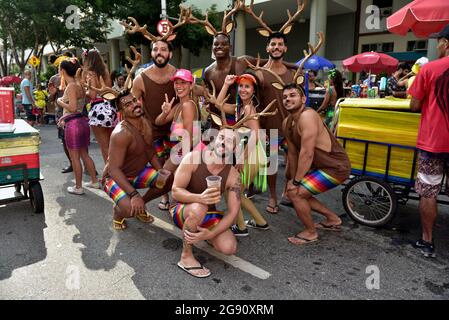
x=276, y=49
x=318, y=163
x=194, y=210
x=153, y=85
x=127, y=168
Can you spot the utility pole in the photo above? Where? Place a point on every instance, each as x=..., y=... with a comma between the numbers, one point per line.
x=164, y=9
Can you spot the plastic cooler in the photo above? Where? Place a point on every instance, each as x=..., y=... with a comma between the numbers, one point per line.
x=385, y=122
x=19, y=148
x=6, y=109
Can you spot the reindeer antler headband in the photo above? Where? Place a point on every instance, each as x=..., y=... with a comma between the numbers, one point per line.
x=222, y=121
x=111, y=94
x=134, y=27
x=265, y=30
x=226, y=26
x=298, y=78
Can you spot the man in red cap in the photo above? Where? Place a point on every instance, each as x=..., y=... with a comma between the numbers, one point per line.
x=430, y=95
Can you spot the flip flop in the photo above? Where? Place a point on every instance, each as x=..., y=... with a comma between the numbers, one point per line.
x=164, y=205
x=119, y=224
x=189, y=269
x=306, y=241
x=145, y=217
x=332, y=227
x=274, y=208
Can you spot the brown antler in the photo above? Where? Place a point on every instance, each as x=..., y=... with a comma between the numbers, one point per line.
x=134, y=63
x=287, y=26
x=256, y=116
x=310, y=53
x=265, y=30
x=104, y=91
x=257, y=67
x=226, y=15
x=212, y=98
x=134, y=27
x=206, y=23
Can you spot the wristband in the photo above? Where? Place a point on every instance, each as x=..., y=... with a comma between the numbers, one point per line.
x=133, y=194
x=296, y=182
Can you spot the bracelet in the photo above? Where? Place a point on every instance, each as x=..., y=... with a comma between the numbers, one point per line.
x=133, y=194
x=296, y=182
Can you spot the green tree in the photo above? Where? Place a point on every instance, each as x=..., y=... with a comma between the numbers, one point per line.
x=191, y=37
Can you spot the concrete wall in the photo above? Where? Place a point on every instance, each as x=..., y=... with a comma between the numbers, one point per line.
x=400, y=42
x=340, y=36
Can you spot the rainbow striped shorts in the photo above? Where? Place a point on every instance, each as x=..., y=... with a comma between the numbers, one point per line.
x=145, y=179
x=318, y=181
x=163, y=146
x=211, y=219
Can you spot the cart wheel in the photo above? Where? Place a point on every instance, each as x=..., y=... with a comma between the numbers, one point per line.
x=369, y=201
x=18, y=186
x=36, y=197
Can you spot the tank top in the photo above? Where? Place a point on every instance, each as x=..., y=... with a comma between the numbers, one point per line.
x=79, y=104
x=138, y=154
x=153, y=99
x=199, y=184
x=335, y=163
x=267, y=94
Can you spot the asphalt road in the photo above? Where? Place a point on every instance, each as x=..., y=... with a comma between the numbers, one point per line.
x=71, y=252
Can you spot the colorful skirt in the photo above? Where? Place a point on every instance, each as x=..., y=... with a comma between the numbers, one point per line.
x=255, y=169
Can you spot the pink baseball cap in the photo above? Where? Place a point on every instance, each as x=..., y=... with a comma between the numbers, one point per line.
x=183, y=74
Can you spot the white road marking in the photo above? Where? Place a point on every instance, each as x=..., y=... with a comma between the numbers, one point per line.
x=233, y=260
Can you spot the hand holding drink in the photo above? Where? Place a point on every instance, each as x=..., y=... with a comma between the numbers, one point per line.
x=213, y=192
x=162, y=177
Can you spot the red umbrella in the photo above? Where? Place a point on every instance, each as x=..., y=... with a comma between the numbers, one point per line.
x=10, y=79
x=372, y=62
x=423, y=17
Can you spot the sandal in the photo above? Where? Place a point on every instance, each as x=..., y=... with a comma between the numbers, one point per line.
x=119, y=224
x=333, y=227
x=145, y=217
x=304, y=240
x=164, y=205
x=275, y=209
x=189, y=270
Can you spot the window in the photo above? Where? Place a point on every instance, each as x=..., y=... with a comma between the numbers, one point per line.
x=388, y=47
x=378, y=47
x=420, y=45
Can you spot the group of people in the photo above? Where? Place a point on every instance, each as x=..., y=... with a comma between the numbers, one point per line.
x=159, y=144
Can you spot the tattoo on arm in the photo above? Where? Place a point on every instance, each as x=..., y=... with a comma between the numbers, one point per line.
x=237, y=187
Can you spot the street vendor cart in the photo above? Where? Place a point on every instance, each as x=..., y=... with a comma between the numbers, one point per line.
x=379, y=136
x=19, y=166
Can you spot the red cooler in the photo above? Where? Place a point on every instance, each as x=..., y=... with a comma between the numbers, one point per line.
x=7, y=105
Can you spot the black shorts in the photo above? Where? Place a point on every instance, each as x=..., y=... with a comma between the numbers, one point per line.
x=29, y=112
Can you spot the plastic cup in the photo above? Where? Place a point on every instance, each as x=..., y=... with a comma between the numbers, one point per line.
x=214, y=182
x=163, y=175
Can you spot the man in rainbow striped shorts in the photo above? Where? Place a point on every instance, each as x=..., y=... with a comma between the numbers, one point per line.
x=130, y=151
x=317, y=163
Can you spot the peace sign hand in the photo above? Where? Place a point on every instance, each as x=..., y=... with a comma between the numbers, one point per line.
x=167, y=106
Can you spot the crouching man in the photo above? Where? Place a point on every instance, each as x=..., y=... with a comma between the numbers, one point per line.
x=127, y=169
x=317, y=161
x=194, y=208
